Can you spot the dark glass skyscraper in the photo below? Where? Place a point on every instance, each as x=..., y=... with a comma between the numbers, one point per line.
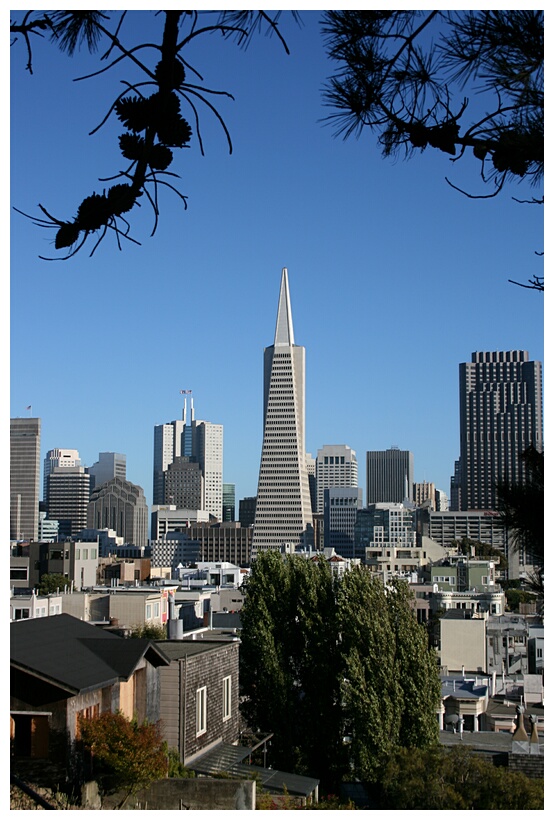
x=500, y=417
x=390, y=475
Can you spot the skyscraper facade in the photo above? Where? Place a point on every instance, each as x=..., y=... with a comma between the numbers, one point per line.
x=228, y=502
x=68, y=497
x=500, y=417
x=336, y=466
x=199, y=441
x=108, y=466
x=119, y=505
x=283, y=505
x=57, y=458
x=341, y=506
x=24, y=478
x=390, y=476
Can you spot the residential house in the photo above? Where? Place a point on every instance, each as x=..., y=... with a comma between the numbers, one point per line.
x=63, y=669
x=199, y=695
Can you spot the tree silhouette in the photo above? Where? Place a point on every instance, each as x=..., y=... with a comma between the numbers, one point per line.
x=150, y=110
x=460, y=82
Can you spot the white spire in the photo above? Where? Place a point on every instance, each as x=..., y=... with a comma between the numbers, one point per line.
x=284, y=334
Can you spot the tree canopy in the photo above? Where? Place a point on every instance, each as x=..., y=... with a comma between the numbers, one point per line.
x=127, y=755
x=407, y=75
x=338, y=670
x=521, y=507
x=439, y=778
x=150, y=110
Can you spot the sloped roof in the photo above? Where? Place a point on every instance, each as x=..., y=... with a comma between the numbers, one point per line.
x=76, y=655
x=228, y=758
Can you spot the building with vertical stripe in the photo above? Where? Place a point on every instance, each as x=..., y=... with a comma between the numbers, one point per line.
x=283, y=504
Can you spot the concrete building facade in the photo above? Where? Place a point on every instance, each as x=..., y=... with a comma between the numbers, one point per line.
x=336, y=466
x=24, y=478
x=68, y=494
x=108, y=466
x=340, y=508
x=121, y=506
x=57, y=458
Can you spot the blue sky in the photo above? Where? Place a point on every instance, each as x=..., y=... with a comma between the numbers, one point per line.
x=395, y=278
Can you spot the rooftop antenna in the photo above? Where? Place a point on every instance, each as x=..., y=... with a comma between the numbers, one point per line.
x=186, y=393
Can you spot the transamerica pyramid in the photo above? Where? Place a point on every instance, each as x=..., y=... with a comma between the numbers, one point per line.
x=283, y=506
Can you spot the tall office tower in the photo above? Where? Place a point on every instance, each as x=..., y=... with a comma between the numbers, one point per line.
x=247, y=511
x=57, y=458
x=108, y=466
x=228, y=502
x=68, y=494
x=336, y=466
x=283, y=506
x=207, y=450
x=500, y=417
x=424, y=491
x=119, y=505
x=184, y=484
x=169, y=441
x=24, y=478
x=390, y=475
x=202, y=442
x=341, y=505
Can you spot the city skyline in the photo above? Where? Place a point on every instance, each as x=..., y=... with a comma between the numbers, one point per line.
x=396, y=277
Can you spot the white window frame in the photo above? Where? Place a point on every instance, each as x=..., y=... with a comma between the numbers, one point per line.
x=201, y=710
x=227, y=695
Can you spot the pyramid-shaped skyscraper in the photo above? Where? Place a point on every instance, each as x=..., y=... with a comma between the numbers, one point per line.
x=283, y=506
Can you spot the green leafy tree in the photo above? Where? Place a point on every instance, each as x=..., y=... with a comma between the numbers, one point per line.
x=150, y=110
x=127, y=755
x=289, y=663
x=153, y=632
x=322, y=659
x=51, y=582
x=391, y=683
x=439, y=778
x=472, y=547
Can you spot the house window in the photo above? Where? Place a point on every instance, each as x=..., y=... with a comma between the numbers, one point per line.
x=201, y=697
x=21, y=613
x=227, y=698
x=148, y=611
x=156, y=610
x=18, y=574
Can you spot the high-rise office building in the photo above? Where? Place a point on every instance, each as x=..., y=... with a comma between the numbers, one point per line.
x=336, y=466
x=68, y=494
x=207, y=449
x=108, y=466
x=169, y=444
x=341, y=505
x=201, y=442
x=500, y=417
x=184, y=484
x=228, y=502
x=24, y=478
x=247, y=511
x=424, y=491
x=390, y=476
x=57, y=458
x=283, y=505
x=119, y=505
